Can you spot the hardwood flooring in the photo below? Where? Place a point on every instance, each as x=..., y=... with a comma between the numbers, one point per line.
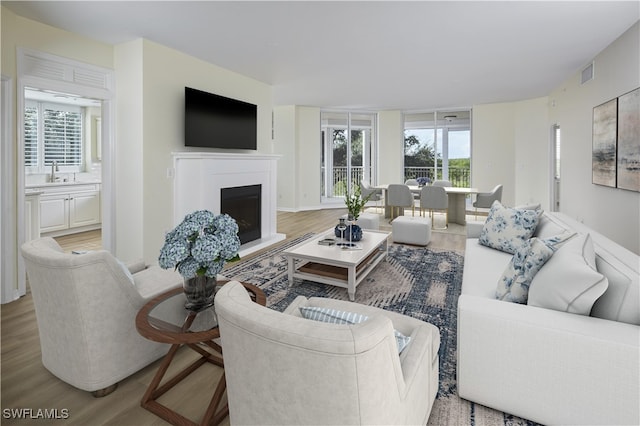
x=26, y=384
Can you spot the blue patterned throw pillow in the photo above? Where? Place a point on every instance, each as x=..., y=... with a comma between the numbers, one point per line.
x=334, y=316
x=514, y=284
x=507, y=229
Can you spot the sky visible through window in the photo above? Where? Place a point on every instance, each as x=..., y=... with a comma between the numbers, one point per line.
x=459, y=146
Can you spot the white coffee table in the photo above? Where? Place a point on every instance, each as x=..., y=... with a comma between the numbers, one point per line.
x=335, y=265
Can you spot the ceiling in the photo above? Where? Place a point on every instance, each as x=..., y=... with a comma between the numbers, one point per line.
x=415, y=55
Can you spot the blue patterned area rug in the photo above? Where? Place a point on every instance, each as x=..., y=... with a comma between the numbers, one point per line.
x=415, y=281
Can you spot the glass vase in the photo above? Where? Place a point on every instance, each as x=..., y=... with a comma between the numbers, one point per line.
x=200, y=292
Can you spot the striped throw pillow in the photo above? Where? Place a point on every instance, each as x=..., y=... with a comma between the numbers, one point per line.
x=334, y=316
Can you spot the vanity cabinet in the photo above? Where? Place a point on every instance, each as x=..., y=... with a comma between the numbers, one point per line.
x=31, y=215
x=69, y=208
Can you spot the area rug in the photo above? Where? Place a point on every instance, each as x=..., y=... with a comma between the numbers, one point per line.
x=415, y=281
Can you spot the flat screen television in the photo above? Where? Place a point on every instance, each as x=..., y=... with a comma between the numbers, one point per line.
x=214, y=121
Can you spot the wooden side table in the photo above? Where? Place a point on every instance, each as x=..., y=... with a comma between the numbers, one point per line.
x=164, y=319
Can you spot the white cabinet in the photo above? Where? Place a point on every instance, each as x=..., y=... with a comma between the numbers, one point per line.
x=84, y=208
x=54, y=212
x=68, y=208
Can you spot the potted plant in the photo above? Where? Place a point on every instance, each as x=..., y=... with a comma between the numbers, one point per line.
x=355, y=203
x=198, y=248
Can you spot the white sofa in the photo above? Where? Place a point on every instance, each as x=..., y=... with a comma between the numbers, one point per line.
x=545, y=365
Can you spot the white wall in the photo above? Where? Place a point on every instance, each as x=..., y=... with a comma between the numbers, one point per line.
x=391, y=147
x=493, y=149
x=284, y=144
x=129, y=182
x=154, y=100
x=610, y=211
x=309, y=157
x=532, y=146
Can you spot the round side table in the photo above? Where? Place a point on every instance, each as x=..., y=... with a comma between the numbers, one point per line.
x=164, y=319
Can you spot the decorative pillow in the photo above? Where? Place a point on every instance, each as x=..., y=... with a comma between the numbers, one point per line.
x=569, y=282
x=547, y=227
x=334, y=316
x=514, y=284
x=507, y=229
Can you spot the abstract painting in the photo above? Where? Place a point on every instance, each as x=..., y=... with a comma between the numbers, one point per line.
x=604, y=143
x=629, y=141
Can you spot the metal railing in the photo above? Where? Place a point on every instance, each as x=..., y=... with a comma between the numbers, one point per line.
x=339, y=179
x=459, y=177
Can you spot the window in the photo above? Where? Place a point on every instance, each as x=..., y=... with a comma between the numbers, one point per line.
x=347, y=151
x=437, y=145
x=52, y=132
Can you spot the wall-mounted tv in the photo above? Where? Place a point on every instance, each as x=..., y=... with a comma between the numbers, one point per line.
x=214, y=121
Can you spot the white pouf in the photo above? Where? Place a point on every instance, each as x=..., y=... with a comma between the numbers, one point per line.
x=411, y=230
x=367, y=221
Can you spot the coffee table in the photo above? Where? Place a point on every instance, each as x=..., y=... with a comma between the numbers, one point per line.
x=164, y=319
x=335, y=265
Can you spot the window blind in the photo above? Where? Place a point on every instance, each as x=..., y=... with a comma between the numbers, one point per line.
x=62, y=137
x=53, y=132
x=31, y=136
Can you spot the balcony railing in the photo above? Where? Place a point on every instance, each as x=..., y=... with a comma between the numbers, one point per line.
x=459, y=177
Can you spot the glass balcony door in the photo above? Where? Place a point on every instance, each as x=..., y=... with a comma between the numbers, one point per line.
x=347, y=152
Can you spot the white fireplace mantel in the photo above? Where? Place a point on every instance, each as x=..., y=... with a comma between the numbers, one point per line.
x=199, y=177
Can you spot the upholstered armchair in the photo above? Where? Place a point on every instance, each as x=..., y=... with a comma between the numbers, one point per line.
x=284, y=369
x=366, y=190
x=434, y=198
x=399, y=196
x=86, y=306
x=484, y=200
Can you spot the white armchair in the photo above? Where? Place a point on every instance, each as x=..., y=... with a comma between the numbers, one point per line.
x=484, y=200
x=366, y=190
x=86, y=306
x=399, y=196
x=434, y=198
x=283, y=369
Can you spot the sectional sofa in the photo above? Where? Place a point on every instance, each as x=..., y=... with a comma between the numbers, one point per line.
x=572, y=359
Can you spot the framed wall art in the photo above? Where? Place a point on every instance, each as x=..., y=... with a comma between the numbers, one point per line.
x=628, y=155
x=603, y=157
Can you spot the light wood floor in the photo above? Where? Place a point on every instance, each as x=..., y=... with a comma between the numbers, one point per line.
x=27, y=384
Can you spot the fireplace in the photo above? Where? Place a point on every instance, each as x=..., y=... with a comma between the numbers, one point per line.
x=244, y=204
x=201, y=176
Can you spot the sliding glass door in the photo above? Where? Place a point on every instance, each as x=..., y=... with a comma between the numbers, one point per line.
x=437, y=145
x=348, y=151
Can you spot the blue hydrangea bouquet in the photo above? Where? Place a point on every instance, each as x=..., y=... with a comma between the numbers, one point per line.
x=201, y=244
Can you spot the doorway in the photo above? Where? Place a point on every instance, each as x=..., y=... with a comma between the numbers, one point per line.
x=348, y=152
x=54, y=74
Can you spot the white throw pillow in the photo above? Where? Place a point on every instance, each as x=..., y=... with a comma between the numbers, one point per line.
x=547, y=227
x=514, y=284
x=569, y=281
x=334, y=316
x=507, y=229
